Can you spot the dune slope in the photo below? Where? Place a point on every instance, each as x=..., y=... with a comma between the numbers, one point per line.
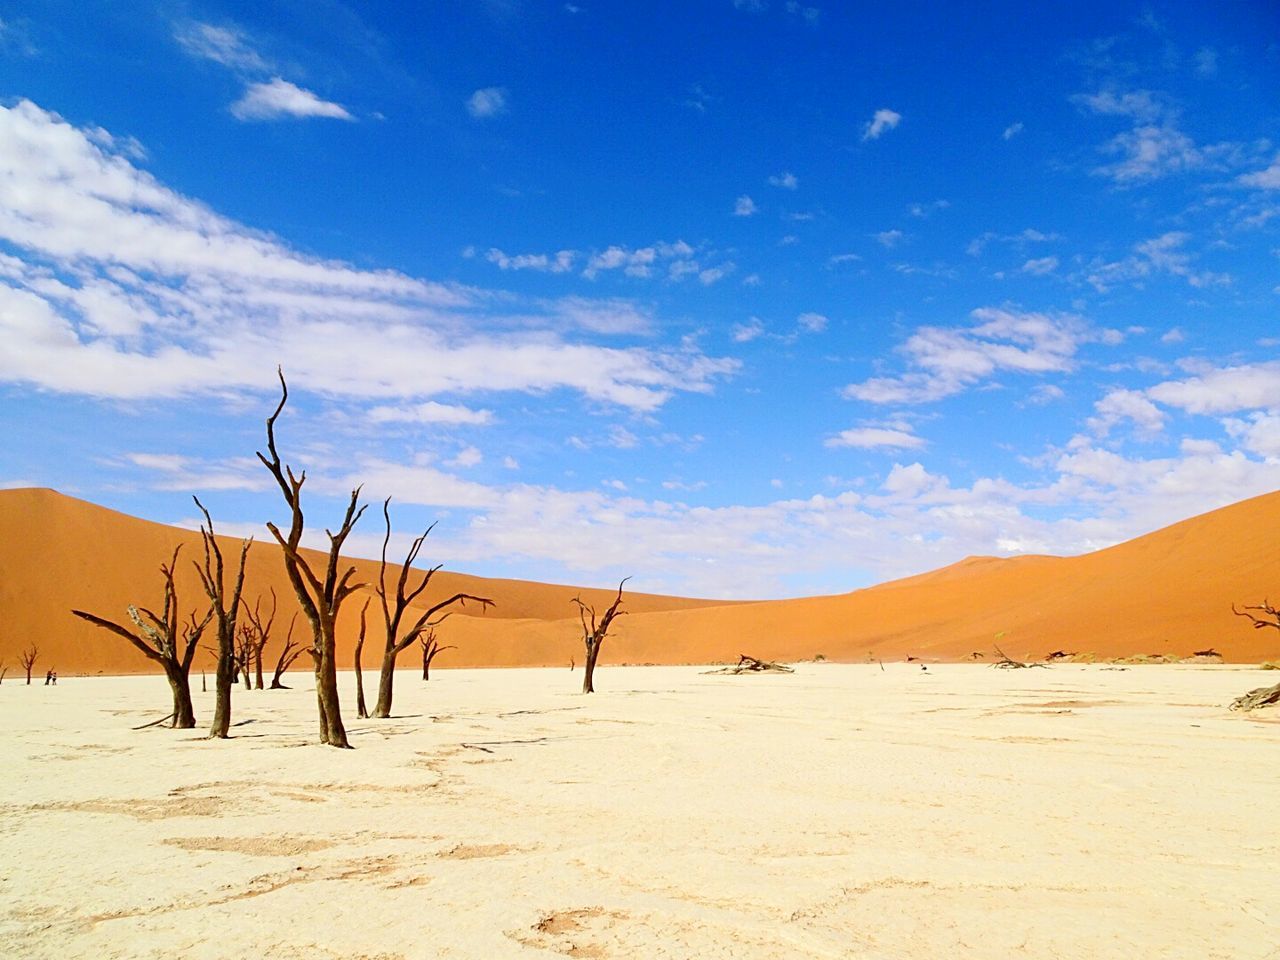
x=1169, y=592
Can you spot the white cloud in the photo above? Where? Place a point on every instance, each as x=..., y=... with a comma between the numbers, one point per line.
x=948, y=360
x=923, y=210
x=218, y=304
x=1162, y=254
x=430, y=412
x=487, y=102
x=1119, y=405
x=467, y=457
x=744, y=206
x=746, y=332
x=1012, y=131
x=224, y=45
x=277, y=98
x=1223, y=390
x=1259, y=432
x=882, y=121
x=643, y=261
x=713, y=274
x=786, y=180
x=1268, y=179
x=1041, y=266
x=560, y=262
x=870, y=438
x=889, y=238
x=812, y=322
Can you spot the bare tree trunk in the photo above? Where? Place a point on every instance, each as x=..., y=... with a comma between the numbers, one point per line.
x=361, y=710
x=594, y=632
x=223, y=681
x=589, y=670
x=319, y=597
x=28, y=659
x=184, y=715
x=332, y=731
x=426, y=660
x=257, y=668
x=156, y=636
x=386, y=681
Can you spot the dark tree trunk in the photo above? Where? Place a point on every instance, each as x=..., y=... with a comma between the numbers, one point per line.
x=589, y=669
x=184, y=715
x=332, y=732
x=224, y=680
x=426, y=663
x=361, y=710
x=257, y=668
x=386, y=684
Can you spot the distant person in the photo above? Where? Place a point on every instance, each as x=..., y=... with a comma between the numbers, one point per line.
x=48, y=677
x=53, y=675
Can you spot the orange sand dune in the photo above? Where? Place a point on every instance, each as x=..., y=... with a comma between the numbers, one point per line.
x=58, y=553
x=1169, y=592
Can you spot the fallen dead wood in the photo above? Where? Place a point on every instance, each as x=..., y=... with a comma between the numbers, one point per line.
x=748, y=664
x=1261, y=697
x=1008, y=663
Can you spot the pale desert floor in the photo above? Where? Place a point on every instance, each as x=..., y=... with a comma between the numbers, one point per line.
x=843, y=811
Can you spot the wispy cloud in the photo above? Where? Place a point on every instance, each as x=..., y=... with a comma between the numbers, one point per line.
x=876, y=438
x=122, y=288
x=278, y=98
x=1012, y=131
x=947, y=360
x=488, y=102
x=744, y=206
x=881, y=122
x=227, y=46
x=1162, y=254
x=786, y=180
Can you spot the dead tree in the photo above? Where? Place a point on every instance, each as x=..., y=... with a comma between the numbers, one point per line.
x=1263, y=695
x=3, y=670
x=430, y=649
x=224, y=609
x=290, y=652
x=261, y=633
x=157, y=638
x=1270, y=615
x=321, y=598
x=28, y=659
x=244, y=652
x=361, y=710
x=397, y=638
x=593, y=633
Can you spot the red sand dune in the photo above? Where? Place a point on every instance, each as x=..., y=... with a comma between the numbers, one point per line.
x=1169, y=592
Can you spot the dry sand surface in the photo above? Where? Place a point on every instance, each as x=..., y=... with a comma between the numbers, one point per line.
x=842, y=811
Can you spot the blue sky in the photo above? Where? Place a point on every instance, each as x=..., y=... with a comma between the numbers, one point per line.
x=741, y=298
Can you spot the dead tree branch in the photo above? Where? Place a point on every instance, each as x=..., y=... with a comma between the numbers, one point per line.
x=593, y=633
x=397, y=637
x=321, y=598
x=161, y=639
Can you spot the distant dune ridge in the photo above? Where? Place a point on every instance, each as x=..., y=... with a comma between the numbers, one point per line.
x=1169, y=592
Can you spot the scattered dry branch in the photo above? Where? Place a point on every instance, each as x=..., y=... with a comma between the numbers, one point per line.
x=1261, y=697
x=748, y=664
x=1008, y=663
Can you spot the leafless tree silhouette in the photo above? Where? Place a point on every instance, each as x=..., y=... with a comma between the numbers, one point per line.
x=320, y=598
x=394, y=607
x=162, y=639
x=224, y=609
x=593, y=633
